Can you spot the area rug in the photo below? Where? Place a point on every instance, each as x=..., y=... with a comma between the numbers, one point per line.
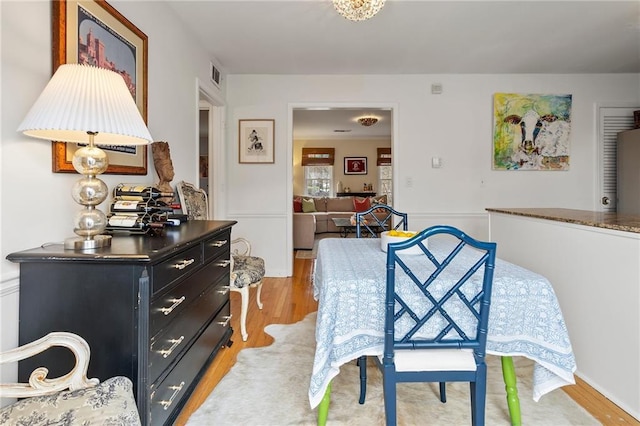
x=268, y=387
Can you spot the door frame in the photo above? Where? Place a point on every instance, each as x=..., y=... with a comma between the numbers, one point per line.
x=209, y=97
x=392, y=106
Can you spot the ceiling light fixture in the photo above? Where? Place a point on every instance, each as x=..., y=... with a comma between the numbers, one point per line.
x=367, y=121
x=358, y=10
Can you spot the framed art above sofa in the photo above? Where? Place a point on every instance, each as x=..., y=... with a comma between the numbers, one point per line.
x=355, y=165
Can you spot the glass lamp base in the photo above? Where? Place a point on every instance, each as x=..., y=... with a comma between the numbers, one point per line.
x=78, y=243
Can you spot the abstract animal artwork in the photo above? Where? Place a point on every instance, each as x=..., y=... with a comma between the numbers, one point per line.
x=531, y=132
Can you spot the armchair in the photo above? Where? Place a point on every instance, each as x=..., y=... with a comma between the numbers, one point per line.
x=69, y=399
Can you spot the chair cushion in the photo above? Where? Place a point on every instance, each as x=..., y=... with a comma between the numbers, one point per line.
x=108, y=403
x=247, y=270
x=434, y=360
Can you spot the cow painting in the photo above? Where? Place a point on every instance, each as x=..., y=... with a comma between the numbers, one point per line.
x=532, y=137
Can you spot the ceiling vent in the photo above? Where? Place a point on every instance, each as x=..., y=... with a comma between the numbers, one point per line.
x=215, y=75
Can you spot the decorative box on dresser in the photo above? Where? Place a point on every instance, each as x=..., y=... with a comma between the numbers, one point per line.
x=152, y=308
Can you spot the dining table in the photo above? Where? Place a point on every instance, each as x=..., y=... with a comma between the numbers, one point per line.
x=349, y=283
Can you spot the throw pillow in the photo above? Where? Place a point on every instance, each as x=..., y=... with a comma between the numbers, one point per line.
x=308, y=205
x=297, y=205
x=380, y=199
x=361, y=204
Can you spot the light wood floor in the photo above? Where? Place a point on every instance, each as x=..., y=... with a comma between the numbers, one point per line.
x=288, y=300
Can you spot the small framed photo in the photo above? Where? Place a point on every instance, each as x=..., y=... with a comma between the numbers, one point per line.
x=256, y=141
x=355, y=165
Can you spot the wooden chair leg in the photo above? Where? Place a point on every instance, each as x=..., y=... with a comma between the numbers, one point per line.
x=362, y=362
x=244, y=306
x=443, y=392
x=258, y=293
x=389, y=386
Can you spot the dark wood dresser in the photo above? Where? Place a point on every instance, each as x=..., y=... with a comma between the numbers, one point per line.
x=152, y=308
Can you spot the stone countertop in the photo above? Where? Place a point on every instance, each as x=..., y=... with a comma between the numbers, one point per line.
x=608, y=220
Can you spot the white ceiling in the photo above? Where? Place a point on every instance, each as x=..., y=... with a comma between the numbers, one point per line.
x=416, y=37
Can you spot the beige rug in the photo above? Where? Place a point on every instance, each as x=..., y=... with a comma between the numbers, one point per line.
x=268, y=386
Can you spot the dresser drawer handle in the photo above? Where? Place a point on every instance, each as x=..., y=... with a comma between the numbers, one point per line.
x=224, y=263
x=166, y=352
x=226, y=320
x=219, y=243
x=183, y=264
x=175, y=302
x=176, y=390
x=225, y=289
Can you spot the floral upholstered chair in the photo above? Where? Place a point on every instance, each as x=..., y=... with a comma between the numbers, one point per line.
x=193, y=200
x=69, y=399
x=247, y=271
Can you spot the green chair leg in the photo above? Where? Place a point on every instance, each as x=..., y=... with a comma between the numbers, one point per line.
x=513, y=402
x=323, y=408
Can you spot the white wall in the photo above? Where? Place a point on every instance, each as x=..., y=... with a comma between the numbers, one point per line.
x=36, y=204
x=456, y=126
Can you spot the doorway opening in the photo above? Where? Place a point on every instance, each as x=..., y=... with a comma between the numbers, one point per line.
x=336, y=126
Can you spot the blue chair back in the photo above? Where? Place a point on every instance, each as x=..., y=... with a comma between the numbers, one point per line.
x=448, y=294
x=379, y=218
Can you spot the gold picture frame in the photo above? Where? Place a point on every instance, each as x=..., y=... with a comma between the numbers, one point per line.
x=256, y=141
x=111, y=41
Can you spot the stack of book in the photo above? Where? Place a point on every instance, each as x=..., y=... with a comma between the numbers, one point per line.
x=139, y=209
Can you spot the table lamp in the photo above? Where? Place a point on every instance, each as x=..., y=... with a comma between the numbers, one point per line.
x=93, y=106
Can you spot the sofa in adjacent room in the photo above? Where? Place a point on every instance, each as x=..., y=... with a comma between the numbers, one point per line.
x=313, y=215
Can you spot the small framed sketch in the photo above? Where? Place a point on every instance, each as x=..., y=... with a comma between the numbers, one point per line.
x=355, y=165
x=256, y=141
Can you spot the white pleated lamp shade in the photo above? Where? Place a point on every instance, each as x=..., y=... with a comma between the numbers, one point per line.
x=83, y=98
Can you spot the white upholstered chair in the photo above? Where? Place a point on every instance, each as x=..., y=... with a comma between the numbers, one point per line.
x=69, y=399
x=247, y=271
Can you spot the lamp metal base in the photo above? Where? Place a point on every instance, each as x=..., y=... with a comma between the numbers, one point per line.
x=78, y=243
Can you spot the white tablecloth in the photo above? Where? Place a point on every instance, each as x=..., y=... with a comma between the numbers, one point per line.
x=350, y=282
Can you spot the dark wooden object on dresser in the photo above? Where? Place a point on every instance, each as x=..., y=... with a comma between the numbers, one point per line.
x=152, y=308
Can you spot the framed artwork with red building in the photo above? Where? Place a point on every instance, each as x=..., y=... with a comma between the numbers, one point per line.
x=92, y=32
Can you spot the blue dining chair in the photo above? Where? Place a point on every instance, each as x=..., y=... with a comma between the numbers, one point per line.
x=376, y=219
x=379, y=218
x=436, y=316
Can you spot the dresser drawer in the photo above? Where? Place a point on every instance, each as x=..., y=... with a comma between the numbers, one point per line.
x=170, y=394
x=172, y=340
x=176, y=267
x=218, y=246
x=171, y=304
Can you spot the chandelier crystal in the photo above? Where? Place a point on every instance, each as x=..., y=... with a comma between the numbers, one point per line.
x=358, y=10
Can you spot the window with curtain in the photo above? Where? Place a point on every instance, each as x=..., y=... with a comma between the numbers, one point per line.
x=318, y=171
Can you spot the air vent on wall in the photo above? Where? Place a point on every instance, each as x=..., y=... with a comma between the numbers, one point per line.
x=215, y=75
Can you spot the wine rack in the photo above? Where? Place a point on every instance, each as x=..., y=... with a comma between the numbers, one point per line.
x=136, y=210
